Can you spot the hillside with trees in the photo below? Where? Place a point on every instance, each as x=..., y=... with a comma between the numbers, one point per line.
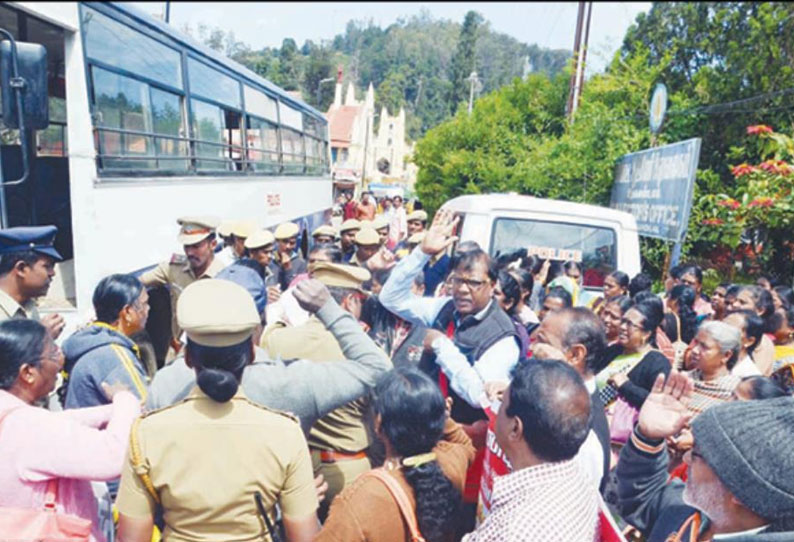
x=419, y=62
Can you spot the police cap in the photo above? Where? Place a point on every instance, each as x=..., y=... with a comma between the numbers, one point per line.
x=325, y=229
x=420, y=215
x=350, y=224
x=36, y=238
x=367, y=236
x=195, y=228
x=259, y=239
x=380, y=222
x=286, y=230
x=216, y=312
x=343, y=276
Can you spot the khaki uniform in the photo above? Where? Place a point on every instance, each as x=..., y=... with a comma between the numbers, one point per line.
x=9, y=308
x=206, y=460
x=177, y=275
x=340, y=432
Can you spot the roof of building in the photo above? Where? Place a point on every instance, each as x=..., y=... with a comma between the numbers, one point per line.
x=340, y=121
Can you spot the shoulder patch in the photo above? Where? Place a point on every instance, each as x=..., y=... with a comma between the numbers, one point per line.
x=178, y=259
x=162, y=409
x=287, y=415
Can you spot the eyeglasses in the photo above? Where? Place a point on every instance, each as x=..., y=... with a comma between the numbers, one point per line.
x=628, y=323
x=457, y=282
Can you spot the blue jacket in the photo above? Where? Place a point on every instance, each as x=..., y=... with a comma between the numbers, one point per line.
x=100, y=354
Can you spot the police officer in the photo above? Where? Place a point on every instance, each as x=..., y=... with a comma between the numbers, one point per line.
x=288, y=262
x=197, y=235
x=417, y=222
x=367, y=245
x=260, y=246
x=340, y=439
x=324, y=234
x=381, y=225
x=27, y=267
x=206, y=458
x=347, y=237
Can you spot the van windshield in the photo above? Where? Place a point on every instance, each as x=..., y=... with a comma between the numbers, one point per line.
x=594, y=248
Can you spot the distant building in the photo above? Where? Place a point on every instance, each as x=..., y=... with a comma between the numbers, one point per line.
x=358, y=151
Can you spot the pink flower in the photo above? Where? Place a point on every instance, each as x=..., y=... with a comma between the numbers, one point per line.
x=761, y=202
x=712, y=222
x=778, y=167
x=759, y=129
x=743, y=169
x=730, y=203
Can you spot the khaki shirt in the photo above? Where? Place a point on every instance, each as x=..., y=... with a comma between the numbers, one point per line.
x=206, y=460
x=342, y=430
x=9, y=308
x=177, y=275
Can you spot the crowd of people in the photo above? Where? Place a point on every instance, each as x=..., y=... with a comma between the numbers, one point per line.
x=397, y=384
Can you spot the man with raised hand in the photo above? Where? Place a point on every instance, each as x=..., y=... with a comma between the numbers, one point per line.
x=740, y=481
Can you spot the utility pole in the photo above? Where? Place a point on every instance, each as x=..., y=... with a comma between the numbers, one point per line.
x=473, y=80
x=580, y=64
x=320, y=86
x=577, y=42
x=167, y=11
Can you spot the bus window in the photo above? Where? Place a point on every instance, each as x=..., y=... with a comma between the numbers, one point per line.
x=117, y=45
x=52, y=140
x=595, y=248
x=212, y=84
x=262, y=145
x=291, y=139
x=209, y=126
x=129, y=115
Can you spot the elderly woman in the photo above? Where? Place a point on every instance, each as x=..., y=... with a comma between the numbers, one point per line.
x=714, y=353
x=61, y=451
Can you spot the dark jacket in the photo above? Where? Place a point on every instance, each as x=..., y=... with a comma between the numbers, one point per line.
x=387, y=329
x=473, y=336
x=642, y=376
x=100, y=354
x=600, y=426
x=656, y=507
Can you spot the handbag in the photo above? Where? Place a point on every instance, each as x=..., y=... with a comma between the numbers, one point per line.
x=42, y=524
x=624, y=416
x=399, y=496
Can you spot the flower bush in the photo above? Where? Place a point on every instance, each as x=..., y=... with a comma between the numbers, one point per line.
x=751, y=222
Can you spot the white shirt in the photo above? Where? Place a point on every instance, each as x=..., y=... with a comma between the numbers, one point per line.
x=746, y=367
x=590, y=456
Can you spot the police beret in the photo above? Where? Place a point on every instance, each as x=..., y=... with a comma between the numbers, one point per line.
x=324, y=230
x=350, y=224
x=225, y=228
x=417, y=215
x=36, y=238
x=416, y=238
x=259, y=239
x=367, y=236
x=195, y=228
x=286, y=230
x=334, y=274
x=380, y=222
x=242, y=228
x=216, y=312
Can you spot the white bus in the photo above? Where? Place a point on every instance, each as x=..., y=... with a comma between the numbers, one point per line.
x=146, y=125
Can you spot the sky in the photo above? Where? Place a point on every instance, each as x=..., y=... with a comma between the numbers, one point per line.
x=549, y=24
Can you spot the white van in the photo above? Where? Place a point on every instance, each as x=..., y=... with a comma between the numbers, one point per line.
x=601, y=239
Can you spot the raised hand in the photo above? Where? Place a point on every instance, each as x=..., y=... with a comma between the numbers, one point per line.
x=440, y=235
x=54, y=323
x=311, y=294
x=664, y=412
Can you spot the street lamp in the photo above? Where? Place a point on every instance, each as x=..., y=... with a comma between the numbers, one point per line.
x=320, y=86
x=366, y=147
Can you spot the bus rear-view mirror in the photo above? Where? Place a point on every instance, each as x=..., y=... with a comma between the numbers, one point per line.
x=31, y=79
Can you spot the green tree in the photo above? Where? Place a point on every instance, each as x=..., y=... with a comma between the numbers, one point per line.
x=463, y=62
x=319, y=66
x=289, y=65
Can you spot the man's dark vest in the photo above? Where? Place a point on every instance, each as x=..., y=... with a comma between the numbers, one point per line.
x=473, y=338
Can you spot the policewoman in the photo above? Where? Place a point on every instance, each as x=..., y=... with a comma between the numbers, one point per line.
x=205, y=458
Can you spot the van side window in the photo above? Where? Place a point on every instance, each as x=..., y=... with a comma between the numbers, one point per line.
x=594, y=247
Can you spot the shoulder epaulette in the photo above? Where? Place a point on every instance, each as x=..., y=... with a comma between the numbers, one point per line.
x=178, y=259
x=287, y=415
x=164, y=408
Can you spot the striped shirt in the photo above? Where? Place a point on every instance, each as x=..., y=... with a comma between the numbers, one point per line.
x=709, y=393
x=551, y=502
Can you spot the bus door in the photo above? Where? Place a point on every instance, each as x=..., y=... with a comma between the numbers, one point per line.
x=44, y=197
